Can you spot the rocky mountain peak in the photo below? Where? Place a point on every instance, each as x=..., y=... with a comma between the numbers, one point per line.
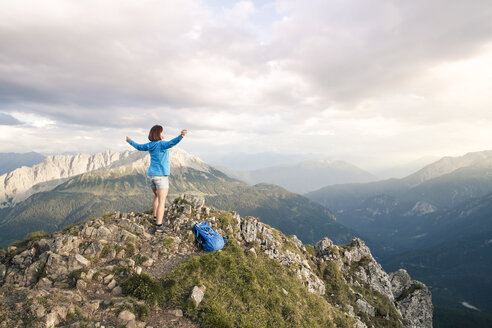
x=114, y=270
x=19, y=184
x=449, y=164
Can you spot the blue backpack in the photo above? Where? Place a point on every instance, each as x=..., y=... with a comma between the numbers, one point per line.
x=208, y=238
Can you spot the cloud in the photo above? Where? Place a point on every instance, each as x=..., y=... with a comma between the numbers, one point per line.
x=6, y=119
x=327, y=77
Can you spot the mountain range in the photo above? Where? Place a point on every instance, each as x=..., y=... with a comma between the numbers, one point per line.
x=114, y=271
x=436, y=223
x=12, y=161
x=304, y=176
x=53, y=195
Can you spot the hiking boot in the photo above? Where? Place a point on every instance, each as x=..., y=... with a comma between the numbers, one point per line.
x=161, y=229
x=153, y=220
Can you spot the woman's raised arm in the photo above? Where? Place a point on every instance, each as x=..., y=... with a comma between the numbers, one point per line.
x=136, y=145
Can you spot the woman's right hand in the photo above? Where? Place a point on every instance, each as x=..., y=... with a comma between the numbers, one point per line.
x=184, y=132
x=128, y=139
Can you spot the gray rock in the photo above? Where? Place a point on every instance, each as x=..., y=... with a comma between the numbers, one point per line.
x=366, y=307
x=117, y=291
x=57, y=314
x=108, y=278
x=252, y=251
x=322, y=247
x=81, y=285
x=82, y=260
x=413, y=300
x=125, y=316
x=112, y=284
x=3, y=270
x=176, y=313
x=197, y=294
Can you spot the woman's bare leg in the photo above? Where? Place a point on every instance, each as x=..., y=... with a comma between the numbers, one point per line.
x=161, y=195
x=155, y=203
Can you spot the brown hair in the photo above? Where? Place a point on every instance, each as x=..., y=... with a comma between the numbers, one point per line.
x=155, y=133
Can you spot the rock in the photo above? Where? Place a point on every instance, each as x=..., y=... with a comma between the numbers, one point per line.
x=148, y=263
x=365, y=307
x=322, y=247
x=359, y=324
x=400, y=280
x=37, y=310
x=92, y=306
x=125, y=316
x=3, y=270
x=57, y=313
x=44, y=283
x=197, y=294
x=81, y=285
x=413, y=299
x=112, y=284
x=252, y=251
x=187, y=209
x=82, y=260
x=176, y=313
x=296, y=241
x=108, y=278
x=117, y=291
x=138, y=270
x=285, y=292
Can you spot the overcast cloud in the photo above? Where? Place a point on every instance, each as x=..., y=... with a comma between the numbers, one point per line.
x=377, y=83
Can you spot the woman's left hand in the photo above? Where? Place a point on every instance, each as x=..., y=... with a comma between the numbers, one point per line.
x=184, y=132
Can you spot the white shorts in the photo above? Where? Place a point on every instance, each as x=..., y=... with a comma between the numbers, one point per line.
x=158, y=181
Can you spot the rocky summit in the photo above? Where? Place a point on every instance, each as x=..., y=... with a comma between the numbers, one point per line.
x=114, y=271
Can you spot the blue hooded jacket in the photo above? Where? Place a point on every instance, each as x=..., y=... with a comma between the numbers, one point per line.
x=159, y=155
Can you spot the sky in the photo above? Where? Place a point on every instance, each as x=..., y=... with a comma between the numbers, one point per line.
x=376, y=83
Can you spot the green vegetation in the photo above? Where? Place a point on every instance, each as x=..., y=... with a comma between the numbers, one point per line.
x=244, y=291
x=140, y=259
x=130, y=249
x=105, y=251
x=144, y=288
x=33, y=236
x=141, y=311
x=310, y=249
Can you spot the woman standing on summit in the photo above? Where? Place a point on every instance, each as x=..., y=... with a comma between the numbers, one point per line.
x=159, y=169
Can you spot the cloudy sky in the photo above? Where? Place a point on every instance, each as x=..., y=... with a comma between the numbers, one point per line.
x=376, y=83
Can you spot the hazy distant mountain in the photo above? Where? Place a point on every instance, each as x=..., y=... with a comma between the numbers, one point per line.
x=125, y=188
x=305, y=176
x=402, y=170
x=239, y=161
x=438, y=217
x=447, y=165
x=11, y=161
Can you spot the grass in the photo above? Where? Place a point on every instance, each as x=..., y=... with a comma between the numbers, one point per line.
x=143, y=287
x=140, y=311
x=33, y=236
x=244, y=291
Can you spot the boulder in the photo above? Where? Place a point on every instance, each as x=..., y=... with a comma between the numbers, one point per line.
x=322, y=247
x=197, y=294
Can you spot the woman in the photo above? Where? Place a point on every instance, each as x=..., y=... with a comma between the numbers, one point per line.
x=159, y=169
